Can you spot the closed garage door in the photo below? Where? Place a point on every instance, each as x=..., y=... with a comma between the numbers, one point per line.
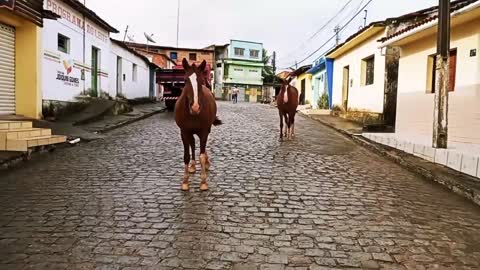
x=7, y=69
x=241, y=94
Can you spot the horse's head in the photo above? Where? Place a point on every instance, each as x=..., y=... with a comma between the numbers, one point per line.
x=286, y=83
x=194, y=81
x=284, y=89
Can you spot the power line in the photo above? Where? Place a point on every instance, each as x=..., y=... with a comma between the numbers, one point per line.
x=323, y=27
x=331, y=19
x=349, y=16
x=334, y=36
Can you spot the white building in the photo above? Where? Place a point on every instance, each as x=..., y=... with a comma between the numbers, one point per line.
x=359, y=72
x=132, y=74
x=75, y=46
x=416, y=91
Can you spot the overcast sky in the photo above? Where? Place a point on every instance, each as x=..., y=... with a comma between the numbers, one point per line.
x=282, y=26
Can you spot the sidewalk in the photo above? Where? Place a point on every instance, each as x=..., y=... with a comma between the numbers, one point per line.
x=85, y=132
x=460, y=183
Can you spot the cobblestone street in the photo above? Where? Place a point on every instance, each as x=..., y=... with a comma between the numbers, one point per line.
x=318, y=202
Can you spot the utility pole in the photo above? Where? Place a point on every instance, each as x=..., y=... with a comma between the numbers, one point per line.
x=274, y=63
x=125, y=36
x=337, y=34
x=442, y=83
x=365, y=18
x=178, y=20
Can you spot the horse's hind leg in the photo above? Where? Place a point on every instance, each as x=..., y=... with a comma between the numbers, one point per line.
x=186, y=160
x=204, y=160
x=292, y=124
x=193, y=165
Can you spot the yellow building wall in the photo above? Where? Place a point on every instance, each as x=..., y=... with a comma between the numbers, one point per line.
x=28, y=47
x=415, y=104
x=308, y=87
x=364, y=98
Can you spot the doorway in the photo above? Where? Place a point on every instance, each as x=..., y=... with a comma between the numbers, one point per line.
x=7, y=70
x=346, y=87
x=119, y=75
x=302, y=92
x=95, y=64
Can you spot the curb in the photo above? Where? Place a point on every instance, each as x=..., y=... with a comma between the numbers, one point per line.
x=395, y=155
x=24, y=157
x=130, y=121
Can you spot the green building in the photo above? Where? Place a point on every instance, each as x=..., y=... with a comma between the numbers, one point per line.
x=243, y=69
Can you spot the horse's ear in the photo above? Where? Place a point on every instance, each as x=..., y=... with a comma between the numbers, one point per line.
x=203, y=65
x=185, y=64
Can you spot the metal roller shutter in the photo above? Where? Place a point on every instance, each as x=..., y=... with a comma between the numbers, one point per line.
x=7, y=69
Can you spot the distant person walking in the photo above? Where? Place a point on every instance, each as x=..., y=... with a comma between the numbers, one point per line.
x=235, y=92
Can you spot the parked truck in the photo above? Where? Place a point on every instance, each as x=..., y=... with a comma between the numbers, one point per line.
x=173, y=81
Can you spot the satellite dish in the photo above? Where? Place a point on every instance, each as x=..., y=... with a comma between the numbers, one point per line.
x=149, y=38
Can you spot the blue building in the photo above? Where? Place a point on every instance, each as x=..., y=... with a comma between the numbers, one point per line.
x=322, y=80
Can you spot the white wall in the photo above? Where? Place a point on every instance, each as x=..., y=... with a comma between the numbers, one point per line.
x=361, y=98
x=53, y=60
x=415, y=105
x=130, y=88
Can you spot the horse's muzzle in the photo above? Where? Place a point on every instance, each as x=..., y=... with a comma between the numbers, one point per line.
x=195, y=109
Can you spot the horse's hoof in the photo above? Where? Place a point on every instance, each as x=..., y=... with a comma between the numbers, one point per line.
x=204, y=187
x=185, y=187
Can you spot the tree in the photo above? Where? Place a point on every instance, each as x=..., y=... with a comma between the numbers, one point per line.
x=267, y=72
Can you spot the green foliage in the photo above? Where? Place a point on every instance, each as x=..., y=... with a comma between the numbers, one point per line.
x=323, y=102
x=91, y=92
x=337, y=108
x=121, y=96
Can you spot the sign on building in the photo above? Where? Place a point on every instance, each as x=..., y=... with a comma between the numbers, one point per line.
x=10, y=4
x=76, y=20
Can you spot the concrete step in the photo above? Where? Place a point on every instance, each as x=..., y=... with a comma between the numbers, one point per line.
x=8, y=125
x=22, y=144
x=12, y=134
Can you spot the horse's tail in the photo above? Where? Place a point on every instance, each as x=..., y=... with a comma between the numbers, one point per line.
x=217, y=121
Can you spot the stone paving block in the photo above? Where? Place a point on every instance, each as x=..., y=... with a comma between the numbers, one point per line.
x=319, y=201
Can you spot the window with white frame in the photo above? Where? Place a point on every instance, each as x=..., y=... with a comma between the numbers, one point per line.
x=239, y=51
x=254, y=53
x=63, y=43
x=368, y=70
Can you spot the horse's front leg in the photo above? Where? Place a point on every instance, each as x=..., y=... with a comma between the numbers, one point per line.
x=287, y=125
x=204, y=160
x=186, y=160
x=193, y=165
x=281, y=125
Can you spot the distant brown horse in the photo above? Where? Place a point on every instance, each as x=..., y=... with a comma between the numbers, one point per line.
x=195, y=113
x=287, y=103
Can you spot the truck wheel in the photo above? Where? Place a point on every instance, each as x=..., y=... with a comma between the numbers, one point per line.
x=170, y=105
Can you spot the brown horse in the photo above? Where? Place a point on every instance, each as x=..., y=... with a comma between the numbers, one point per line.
x=195, y=113
x=287, y=103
